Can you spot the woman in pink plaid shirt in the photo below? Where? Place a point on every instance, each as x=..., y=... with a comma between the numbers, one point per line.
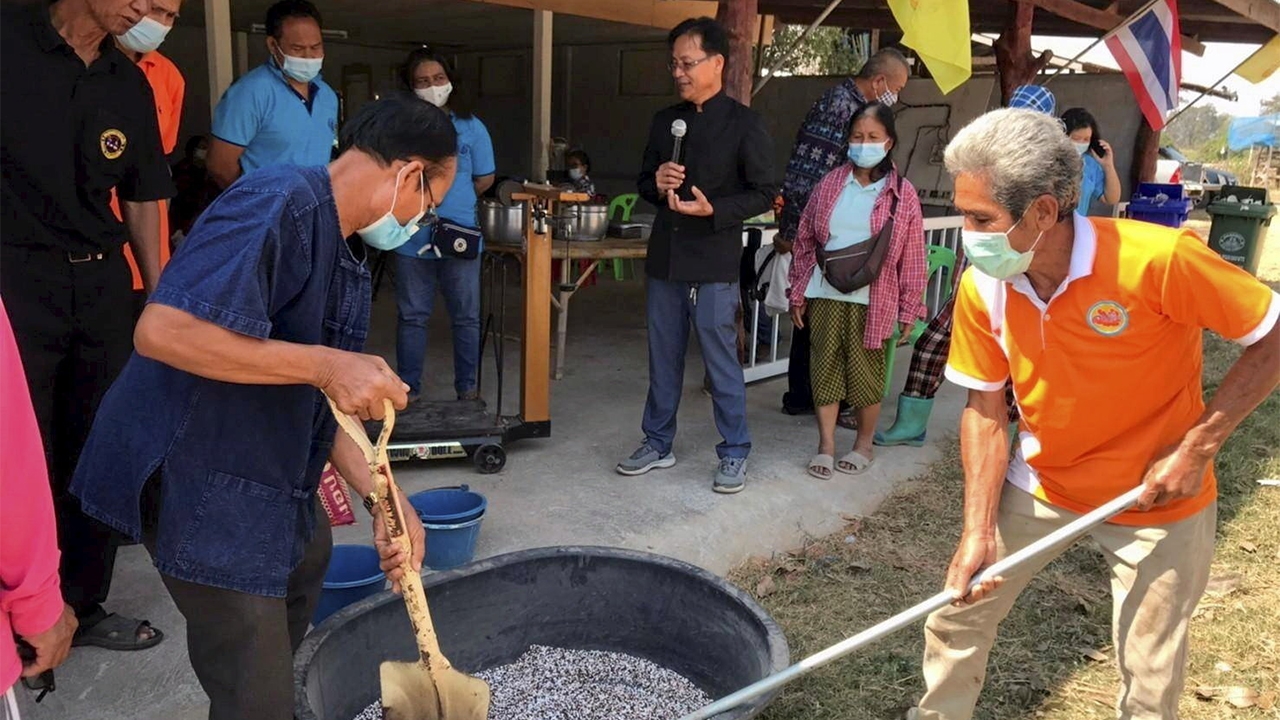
x=850, y=205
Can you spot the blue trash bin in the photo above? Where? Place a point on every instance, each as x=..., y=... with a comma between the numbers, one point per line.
x=353, y=574
x=1160, y=203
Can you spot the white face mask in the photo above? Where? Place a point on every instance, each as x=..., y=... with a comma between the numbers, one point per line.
x=144, y=37
x=1081, y=148
x=576, y=173
x=437, y=95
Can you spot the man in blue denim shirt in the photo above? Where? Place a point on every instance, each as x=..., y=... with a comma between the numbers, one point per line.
x=211, y=443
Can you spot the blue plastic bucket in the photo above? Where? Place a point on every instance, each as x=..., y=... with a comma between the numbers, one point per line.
x=449, y=546
x=448, y=505
x=353, y=575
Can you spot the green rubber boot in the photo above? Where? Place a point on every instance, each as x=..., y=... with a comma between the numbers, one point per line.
x=909, y=426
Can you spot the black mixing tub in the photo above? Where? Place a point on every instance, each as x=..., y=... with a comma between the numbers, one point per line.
x=584, y=598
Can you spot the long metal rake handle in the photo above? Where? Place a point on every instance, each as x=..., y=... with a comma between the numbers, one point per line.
x=911, y=615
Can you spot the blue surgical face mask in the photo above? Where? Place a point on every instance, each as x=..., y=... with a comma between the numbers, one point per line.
x=867, y=155
x=992, y=254
x=1081, y=148
x=144, y=37
x=388, y=233
x=303, y=70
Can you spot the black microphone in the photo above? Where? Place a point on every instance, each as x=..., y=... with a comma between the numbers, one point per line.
x=678, y=129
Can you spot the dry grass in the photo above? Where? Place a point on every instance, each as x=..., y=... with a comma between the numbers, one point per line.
x=1041, y=665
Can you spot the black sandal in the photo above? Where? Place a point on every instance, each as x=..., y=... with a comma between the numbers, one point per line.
x=116, y=632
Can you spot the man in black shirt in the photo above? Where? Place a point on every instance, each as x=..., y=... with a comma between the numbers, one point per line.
x=723, y=178
x=77, y=119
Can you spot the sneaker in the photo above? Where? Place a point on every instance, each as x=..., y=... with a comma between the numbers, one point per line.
x=469, y=396
x=731, y=476
x=645, y=459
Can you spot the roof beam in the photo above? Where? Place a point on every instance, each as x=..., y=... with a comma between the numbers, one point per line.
x=1263, y=12
x=1107, y=20
x=649, y=13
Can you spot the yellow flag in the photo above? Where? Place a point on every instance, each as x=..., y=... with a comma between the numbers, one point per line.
x=938, y=30
x=1262, y=64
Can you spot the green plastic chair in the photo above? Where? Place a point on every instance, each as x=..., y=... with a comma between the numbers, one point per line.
x=626, y=203
x=620, y=209
x=939, y=259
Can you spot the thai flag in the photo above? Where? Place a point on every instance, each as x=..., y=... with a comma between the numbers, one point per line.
x=1148, y=47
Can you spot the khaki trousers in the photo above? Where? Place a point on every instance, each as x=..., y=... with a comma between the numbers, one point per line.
x=1157, y=577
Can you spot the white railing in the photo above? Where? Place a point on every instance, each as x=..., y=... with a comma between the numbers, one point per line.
x=766, y=360
x=771, y=362
x=944, y=232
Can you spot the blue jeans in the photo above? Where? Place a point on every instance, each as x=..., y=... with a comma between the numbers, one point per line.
x=671, y=309
x=416, y=283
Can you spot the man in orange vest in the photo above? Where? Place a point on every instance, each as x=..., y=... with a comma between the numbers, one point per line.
x=168, y=86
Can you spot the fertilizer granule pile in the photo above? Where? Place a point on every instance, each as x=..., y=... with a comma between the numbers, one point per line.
x=554, y=684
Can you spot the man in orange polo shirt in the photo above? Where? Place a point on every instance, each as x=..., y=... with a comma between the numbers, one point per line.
x=1099, y=324
x=168, y=86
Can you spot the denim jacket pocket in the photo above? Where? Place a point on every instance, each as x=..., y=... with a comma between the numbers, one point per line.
x=242, y=533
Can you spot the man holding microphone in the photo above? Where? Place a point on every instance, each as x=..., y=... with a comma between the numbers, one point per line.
x=721, y=178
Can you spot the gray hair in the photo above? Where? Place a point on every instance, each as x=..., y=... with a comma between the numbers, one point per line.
x=1022, y=154
x=881, y=62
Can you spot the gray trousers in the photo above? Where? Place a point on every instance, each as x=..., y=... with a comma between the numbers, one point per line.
x=241, y=645
x=672, y=307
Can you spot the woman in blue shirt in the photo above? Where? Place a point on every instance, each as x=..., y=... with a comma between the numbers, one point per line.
x=420, y=269
x=1100, y=180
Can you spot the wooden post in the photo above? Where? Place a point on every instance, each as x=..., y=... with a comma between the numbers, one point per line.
x=1146, y=149
x=1014, y=61
x=739, y=18
x=541, y=125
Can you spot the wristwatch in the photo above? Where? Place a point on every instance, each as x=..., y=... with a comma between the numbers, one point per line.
x=371, y=501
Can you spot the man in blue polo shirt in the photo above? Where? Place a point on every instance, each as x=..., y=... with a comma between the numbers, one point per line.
x=281, y=112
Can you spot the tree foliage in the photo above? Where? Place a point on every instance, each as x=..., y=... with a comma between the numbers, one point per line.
x=1271, y=105
x=1193, y=128
x=827, y=51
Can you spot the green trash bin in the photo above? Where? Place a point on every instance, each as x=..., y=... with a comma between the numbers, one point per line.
x=1239, y=216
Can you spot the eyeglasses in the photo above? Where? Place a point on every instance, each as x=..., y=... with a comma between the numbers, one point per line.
x=686, y=65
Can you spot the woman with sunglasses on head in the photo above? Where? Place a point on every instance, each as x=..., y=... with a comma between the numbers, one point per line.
x=445, y=253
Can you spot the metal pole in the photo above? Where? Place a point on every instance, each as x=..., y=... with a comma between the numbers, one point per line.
x=794, y=46
x=1095, y=43
x=1207, y=90
x=1055, y=539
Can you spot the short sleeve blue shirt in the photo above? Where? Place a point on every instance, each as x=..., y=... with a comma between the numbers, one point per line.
x=263, y=114
x=239, y=464
x=475, y=160
x=1093, y=184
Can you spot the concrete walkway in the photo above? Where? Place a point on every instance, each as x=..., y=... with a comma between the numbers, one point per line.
x=560, y=490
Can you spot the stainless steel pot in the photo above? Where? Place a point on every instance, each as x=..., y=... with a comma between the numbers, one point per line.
x=582, y=222
x=502, y=224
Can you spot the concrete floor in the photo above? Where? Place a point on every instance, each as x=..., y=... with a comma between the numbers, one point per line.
x=560, y=490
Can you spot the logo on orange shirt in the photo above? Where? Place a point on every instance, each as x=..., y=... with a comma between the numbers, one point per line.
x=1108, y=318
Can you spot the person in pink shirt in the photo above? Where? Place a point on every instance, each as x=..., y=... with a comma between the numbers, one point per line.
x=31, y=605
